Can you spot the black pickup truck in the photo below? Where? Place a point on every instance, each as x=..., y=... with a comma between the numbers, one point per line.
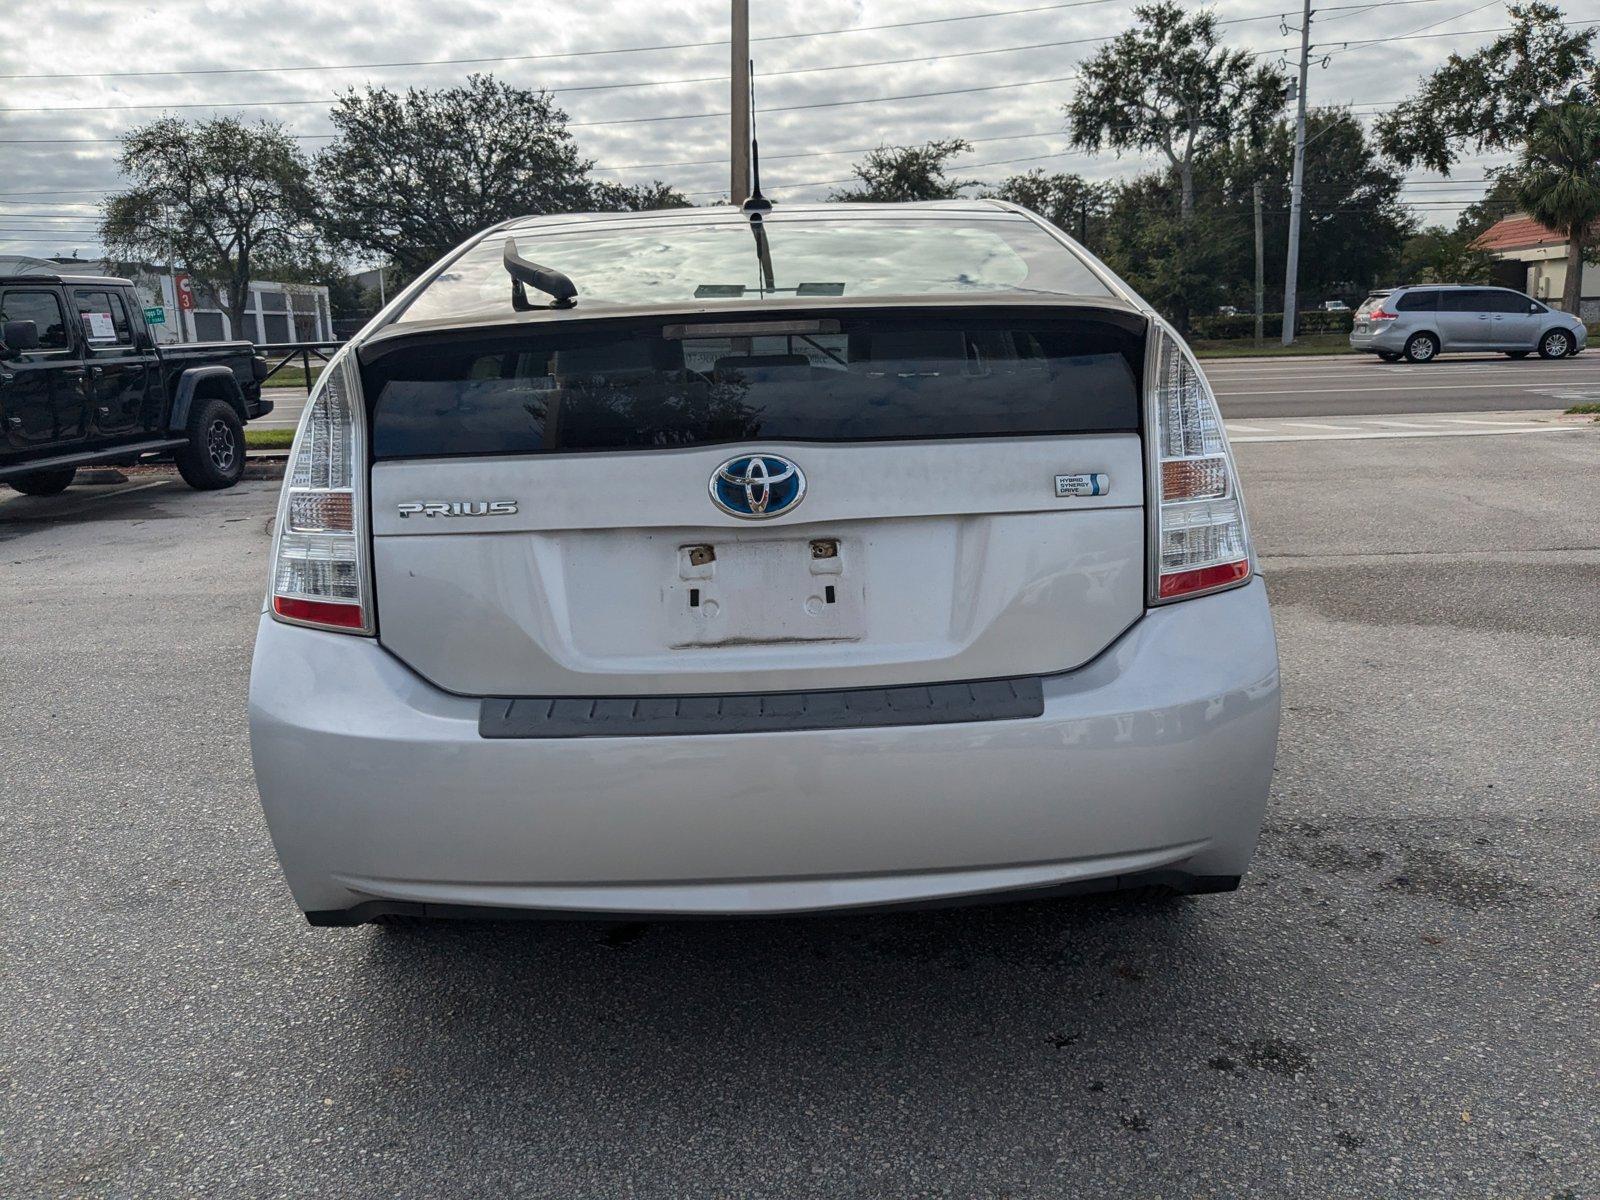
x=82, y=381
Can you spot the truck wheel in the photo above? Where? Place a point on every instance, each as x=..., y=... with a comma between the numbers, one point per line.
x=45, y=483
x=214, y=457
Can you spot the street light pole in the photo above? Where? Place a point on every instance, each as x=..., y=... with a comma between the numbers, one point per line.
x=1260, y=287
x=739, y=105
x=1292, y=270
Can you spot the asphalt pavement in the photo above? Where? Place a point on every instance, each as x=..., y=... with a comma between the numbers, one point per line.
x=1402, y=1001
x=1355, y=385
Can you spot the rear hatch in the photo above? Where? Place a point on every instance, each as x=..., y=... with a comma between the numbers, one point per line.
x=1359, y=323
x=544, y=524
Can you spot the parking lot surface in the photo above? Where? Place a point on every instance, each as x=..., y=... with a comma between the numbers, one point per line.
x=1402, y=1001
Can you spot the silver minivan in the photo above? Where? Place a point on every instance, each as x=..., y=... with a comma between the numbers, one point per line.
x=1420, y=323
x=717, y=561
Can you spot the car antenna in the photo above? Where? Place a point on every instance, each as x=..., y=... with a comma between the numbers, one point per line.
x=548, y=280
x=756, y=203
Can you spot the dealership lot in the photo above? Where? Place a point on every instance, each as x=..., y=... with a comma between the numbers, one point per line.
x=1400, y=1002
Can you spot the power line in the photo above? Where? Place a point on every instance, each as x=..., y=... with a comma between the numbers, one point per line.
x=993, y=87
x=440, y=62
x=605, y=87
x=825, y=104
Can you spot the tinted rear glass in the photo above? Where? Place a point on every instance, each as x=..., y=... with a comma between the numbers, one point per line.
x=1422, y=301
x=718, y=262
x=851, y=377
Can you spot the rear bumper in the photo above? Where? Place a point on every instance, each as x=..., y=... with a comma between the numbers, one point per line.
x=1386, y=338
x=259, y=407
x=1152, y=762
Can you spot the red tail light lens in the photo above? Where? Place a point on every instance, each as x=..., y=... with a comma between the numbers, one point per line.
x=1199, y=540
x=320, y=574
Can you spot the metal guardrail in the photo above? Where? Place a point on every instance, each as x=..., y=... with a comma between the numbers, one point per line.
x=303, y=351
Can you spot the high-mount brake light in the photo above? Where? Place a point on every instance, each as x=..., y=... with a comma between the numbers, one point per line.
x=320, y=575
x=1198, y=537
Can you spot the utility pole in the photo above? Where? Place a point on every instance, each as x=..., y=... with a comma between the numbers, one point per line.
x=1292, y=271
x=1260, y=287
x=739, y=106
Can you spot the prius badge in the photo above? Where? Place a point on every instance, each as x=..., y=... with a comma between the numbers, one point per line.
x=457, y=508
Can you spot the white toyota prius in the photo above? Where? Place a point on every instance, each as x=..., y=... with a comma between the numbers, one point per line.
x=723, y=561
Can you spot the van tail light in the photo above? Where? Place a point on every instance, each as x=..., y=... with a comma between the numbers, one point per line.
x=320, y=573
x=1378, y=314
x=1199, y=542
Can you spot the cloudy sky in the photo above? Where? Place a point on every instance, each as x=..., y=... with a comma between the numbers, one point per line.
x=832, y=80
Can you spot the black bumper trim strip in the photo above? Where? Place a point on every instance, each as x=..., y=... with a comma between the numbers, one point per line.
x=758, y=712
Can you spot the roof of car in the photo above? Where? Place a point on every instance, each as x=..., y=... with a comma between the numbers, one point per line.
x=54, y=277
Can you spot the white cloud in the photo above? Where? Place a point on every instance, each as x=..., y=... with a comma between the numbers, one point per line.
x=119, y=36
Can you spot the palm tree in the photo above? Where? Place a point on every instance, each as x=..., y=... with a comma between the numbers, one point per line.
x=1558, y=182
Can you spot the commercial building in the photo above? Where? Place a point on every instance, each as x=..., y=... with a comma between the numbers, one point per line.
x=181, y=308
x=1533, y=259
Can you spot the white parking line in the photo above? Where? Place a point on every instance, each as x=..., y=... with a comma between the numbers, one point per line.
x=1416, y=433
x=1352, y=391
x=1315, y=425
x=1477, y=421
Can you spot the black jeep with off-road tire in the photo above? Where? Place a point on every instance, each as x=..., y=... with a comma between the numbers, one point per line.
x=83, y=382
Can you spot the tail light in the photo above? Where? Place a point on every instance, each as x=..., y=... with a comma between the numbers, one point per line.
x=1198, y=537
x=1378, y=314
x=320, y=573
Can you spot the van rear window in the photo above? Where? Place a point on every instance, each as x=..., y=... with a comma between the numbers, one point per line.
x=647, y=385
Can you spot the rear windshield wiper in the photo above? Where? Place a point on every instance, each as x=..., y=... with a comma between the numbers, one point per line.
x=547, y=279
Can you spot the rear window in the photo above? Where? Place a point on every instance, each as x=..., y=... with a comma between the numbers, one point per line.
x=851, y=377
x=718, y=262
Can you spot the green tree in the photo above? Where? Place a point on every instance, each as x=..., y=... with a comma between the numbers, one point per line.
x=1353, y=220
x=1498, y=202
x=1167, y=85
x=899, y=173
x=224, y=199
x=409, y=177
x=605, y=196
x=1437, y=254
x=1490, y=99
x=1069, y=202
x=1180, y=266
x=1558, y=183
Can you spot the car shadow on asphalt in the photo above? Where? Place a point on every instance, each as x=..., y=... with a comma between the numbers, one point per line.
x=1037, y=977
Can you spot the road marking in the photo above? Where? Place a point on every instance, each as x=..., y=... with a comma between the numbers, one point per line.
x=1417, y=433
x=1243, y=428
x=1314, y=425
x=1477, y=421
x=1352, y=391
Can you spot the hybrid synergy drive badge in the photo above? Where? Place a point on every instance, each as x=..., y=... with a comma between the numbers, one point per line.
x=1082, y=485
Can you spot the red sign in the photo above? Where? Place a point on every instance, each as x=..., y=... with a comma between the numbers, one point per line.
x=185, y=289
